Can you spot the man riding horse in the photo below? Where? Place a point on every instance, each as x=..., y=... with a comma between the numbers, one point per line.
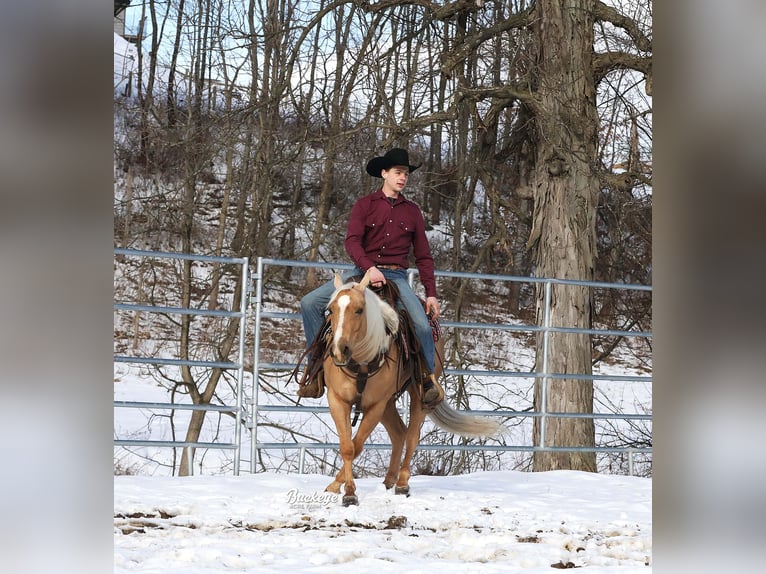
x=382, y=229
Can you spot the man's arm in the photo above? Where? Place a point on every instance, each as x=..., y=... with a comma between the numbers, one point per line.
x=424, y=261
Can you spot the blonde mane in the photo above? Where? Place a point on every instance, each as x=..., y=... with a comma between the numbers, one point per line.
x=382, y=325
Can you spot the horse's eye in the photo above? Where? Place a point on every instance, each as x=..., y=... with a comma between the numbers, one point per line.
x=359, y=311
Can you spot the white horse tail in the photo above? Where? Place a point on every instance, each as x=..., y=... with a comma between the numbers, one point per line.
x=456, y=422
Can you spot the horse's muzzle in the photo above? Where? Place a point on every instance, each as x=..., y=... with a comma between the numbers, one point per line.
x=340, y=357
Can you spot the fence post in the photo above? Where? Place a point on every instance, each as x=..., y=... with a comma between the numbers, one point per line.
x=241, y=361
x=546, y=336
x=256, y=362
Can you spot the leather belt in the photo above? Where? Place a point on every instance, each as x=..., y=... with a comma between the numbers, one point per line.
x=393, y=266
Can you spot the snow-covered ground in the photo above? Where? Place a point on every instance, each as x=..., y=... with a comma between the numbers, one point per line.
x=502, y=521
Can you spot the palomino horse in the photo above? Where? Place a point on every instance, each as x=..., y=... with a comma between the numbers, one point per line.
x=362, y=336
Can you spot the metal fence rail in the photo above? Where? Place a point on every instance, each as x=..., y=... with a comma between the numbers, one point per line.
x=546, y=329
x=248, y=410
x=238, y=366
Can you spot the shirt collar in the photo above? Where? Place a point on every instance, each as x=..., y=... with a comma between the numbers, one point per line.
x=380, y=195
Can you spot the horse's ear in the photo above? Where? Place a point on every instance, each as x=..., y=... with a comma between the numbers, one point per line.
x=337, y=281
x=365, y=281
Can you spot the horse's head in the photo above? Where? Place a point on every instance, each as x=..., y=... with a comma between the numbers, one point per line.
x=348, y=318
x=360, y=323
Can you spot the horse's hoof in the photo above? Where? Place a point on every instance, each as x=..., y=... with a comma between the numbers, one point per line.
x=350, y=499
x=405, y=490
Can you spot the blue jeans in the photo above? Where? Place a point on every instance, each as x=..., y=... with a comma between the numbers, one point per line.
x=313, y=306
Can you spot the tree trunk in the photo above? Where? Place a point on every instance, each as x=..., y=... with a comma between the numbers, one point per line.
x=565, y=194
x=338, y=108
x=172, y=104
x=312, y=277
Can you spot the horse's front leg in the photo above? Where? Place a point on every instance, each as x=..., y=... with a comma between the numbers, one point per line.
x=341, y=415
x=366, y=426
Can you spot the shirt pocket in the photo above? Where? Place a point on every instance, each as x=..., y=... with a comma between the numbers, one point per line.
x=374, y=221
x=406, y=227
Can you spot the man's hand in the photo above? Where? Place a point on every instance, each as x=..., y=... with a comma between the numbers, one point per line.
x=432, y=307
x=377, y=278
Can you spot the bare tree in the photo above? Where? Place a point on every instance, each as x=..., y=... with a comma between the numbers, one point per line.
x=335, y=120
x=566, y=194
x=557, y=94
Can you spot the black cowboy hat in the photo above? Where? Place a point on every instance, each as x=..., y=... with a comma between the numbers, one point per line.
x=396, y=156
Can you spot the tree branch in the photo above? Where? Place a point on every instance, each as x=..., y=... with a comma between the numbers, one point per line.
x=608, y=14
x=625, y=181
x=436, y=11
x=474, y=40
x=605, y=62
x=507, y=93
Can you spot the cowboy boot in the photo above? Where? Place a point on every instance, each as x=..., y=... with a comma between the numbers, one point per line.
x=314, y=389
x=433, y=393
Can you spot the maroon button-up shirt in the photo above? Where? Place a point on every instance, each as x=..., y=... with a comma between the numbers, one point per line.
x=381, y=233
